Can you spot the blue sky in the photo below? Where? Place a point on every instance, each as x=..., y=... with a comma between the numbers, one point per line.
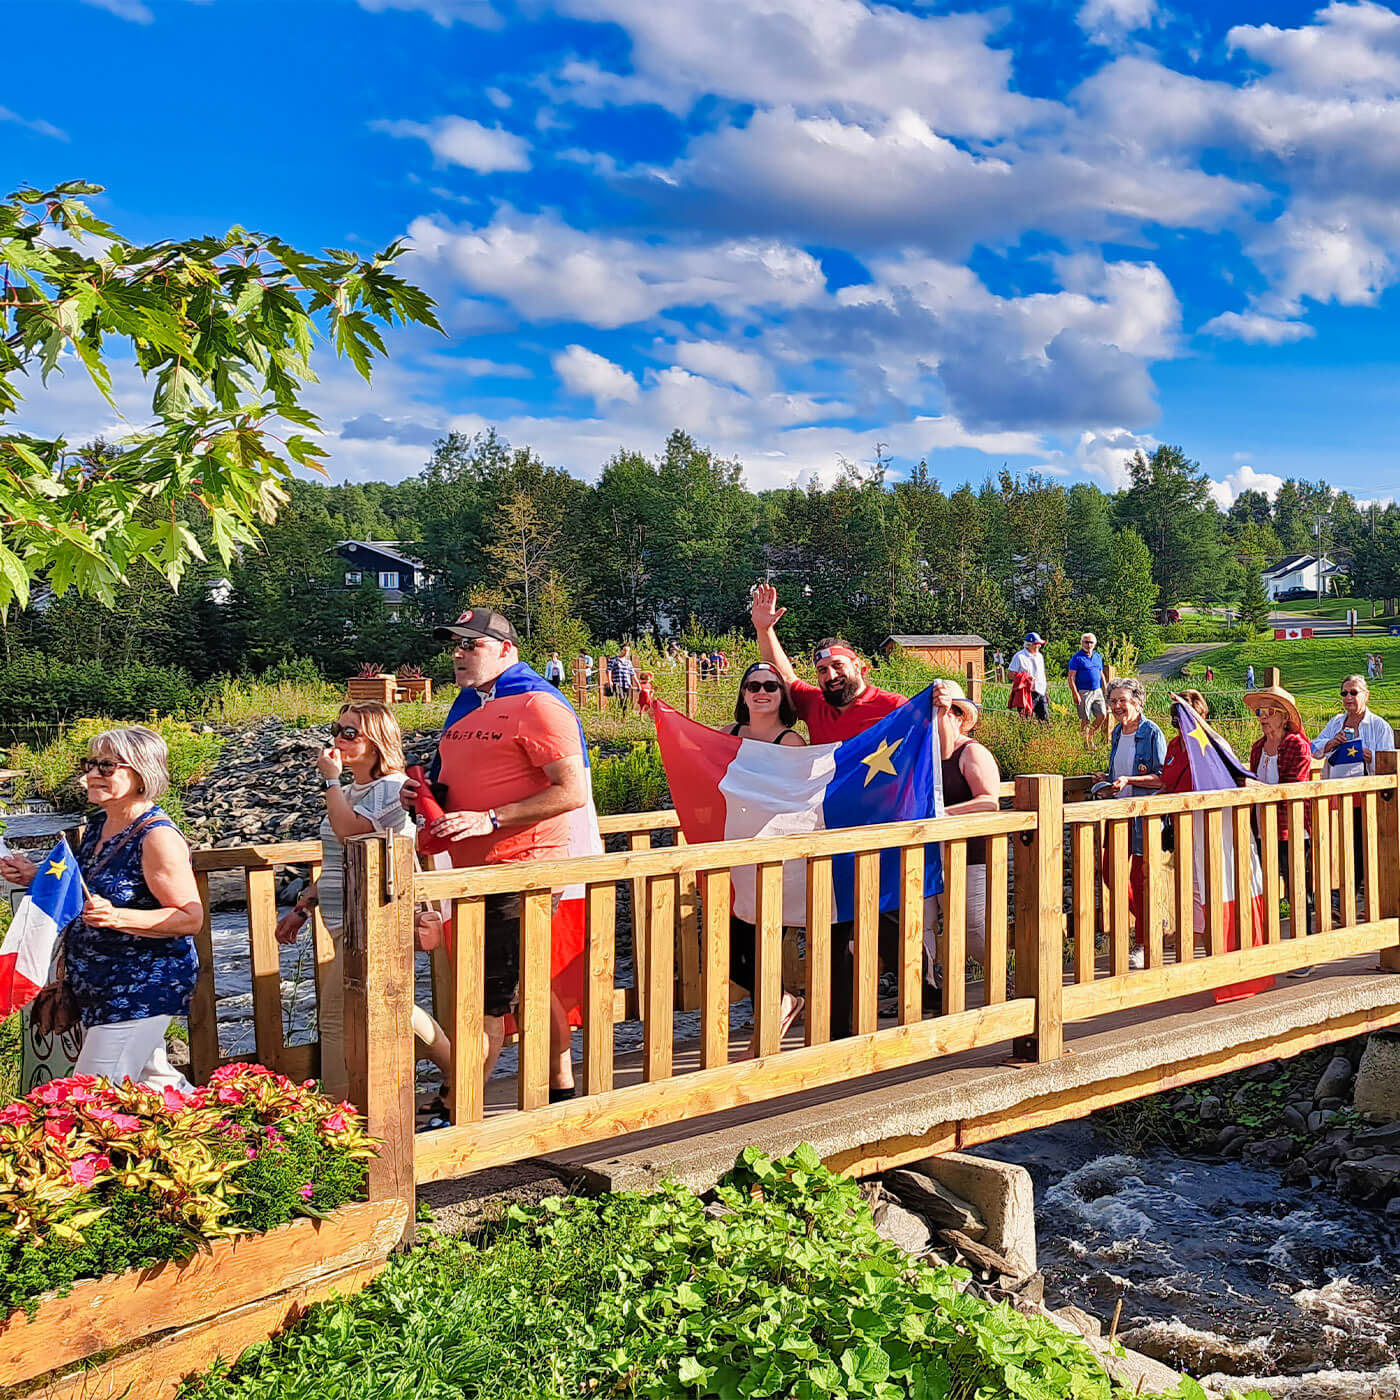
x=1041, y=235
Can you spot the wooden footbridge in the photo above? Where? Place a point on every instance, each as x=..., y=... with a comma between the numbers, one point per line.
x=1073, y=1027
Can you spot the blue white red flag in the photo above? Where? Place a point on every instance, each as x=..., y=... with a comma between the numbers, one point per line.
x=54, y=900
x=1215, y=765
x=727, y=789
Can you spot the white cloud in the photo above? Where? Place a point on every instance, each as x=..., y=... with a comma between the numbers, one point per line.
x=42, y=128
x=488, y=368
x=133, y=10
x=742, y=368
x=497, y=98
x=461, y=141
x=1109, y=22
x=548, y=271
x=594, y=376
x=1245, y=479
x=1255, y=329
x=1104, y=453
x=480, y=13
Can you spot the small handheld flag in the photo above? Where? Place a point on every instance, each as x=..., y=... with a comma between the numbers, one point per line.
x=54, y=900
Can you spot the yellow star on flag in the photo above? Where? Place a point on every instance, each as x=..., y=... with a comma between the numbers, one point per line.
x=881, y=761
x=1200, y=736
x=56, y=868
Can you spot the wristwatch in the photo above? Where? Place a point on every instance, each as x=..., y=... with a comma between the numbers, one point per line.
x=330, y=783
x=495, y=820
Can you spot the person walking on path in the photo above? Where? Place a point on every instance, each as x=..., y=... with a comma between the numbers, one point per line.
x=511, y=761
x=623, y=675
x=842, y=704
x=554, y=671
x=1086, y=689
x=1030, y=661
x=1249, y=678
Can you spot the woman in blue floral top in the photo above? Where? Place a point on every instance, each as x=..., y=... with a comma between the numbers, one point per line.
x=130, y=959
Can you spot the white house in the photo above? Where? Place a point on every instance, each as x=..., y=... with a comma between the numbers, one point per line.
x=1298, y=572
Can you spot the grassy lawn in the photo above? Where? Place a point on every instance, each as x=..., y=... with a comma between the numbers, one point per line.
x=1331, y=609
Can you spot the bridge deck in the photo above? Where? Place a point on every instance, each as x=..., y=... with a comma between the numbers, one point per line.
x=881, y=1120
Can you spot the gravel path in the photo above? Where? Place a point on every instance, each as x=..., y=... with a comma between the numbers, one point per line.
x=1174, y=657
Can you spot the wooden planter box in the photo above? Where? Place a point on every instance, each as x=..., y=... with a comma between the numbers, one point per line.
x=379, y=688
x=167, y=1322
x=420, y=689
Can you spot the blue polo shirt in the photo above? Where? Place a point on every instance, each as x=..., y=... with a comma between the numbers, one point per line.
x=1087, y=671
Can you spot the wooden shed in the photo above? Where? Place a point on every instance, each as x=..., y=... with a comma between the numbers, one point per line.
x=948, y=652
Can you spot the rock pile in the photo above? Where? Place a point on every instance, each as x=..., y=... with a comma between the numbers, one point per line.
x=264, y=787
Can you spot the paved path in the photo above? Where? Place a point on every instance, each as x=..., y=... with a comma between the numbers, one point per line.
x=1170, y=662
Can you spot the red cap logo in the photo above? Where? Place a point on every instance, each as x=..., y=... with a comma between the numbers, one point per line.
x=466, y=616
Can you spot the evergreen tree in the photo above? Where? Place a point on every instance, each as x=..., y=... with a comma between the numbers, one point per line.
x=1169, y=505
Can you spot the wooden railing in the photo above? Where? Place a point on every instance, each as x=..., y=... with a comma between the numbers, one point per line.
x=1057, y=878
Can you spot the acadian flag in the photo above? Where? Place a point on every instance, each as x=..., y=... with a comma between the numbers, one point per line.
x=567, y=928
x=728, y=789
x=1214, y=765
x=54, y=900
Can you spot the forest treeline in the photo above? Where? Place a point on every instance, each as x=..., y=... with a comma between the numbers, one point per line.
x=671, y=545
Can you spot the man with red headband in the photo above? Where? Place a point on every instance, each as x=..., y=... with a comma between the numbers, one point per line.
x=841, y=704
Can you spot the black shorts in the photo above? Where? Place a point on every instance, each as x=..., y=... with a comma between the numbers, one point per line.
x=502, y=947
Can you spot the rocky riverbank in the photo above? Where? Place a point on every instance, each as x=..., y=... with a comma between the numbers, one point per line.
x=1296, y=1116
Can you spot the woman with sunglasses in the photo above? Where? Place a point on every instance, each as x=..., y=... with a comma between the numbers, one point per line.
x=763, y=712
x=129, y=960
x=366, y=743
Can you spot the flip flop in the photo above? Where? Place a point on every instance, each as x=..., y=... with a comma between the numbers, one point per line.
x=798, y=1004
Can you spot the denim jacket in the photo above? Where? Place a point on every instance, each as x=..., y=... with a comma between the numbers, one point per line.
x=1149, y=756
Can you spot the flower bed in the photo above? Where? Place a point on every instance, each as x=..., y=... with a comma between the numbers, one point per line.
x=96, y=1178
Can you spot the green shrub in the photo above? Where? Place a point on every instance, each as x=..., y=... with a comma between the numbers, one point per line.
x=787, y=1291
x=635, y=782
x=36, y=688
x=300, y=670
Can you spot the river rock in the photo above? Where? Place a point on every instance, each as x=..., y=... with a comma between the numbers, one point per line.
x=1210, y=1109
x=1370, y=1179
x=942, y=1208
x=1272, y=1151
x=1295, y=1118
x=1085, y=1323
x=1392, y=1206
x=1388, y=1136
x=1378, y=1079
x=1335, y=1080
x=1315, y=1120
x=1231, y=1135
x=902, y=1227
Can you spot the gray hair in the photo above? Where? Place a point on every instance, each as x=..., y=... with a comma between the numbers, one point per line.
x=1133, y=686
x=1358, y=680
x=140, y=749
x=1089, y=637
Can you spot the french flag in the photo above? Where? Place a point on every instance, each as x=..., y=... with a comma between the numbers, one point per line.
x=566, y=963
x=1214, y=765
x=54, y=900
x=729, y=789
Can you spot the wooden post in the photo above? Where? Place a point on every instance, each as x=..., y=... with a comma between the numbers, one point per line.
x=1040, y=919
x=1388, y=840
x=601, y=675
x=379, y=1049
x=974, y=683
x=1270, y=676
x=580, y=684
x=692, y=687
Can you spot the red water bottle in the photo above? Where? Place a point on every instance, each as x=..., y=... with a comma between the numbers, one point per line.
x=426, y=810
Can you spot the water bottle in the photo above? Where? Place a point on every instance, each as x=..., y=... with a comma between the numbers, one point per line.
x=425, y=810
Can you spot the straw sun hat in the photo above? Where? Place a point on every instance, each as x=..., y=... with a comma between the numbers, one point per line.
x=1277, y=697
x=961, y=704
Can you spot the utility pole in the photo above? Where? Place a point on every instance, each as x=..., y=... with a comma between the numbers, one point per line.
x=1317, y=527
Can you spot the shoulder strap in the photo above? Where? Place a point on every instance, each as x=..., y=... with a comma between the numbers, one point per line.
x=147, y=821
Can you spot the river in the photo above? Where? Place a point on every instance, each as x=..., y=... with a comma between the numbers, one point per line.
x=1221, y=1268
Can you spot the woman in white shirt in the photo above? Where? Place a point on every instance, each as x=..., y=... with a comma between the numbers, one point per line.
x=366, y=743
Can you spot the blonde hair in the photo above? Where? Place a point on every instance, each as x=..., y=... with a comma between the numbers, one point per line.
x=140, y=749
x=378, y=725
x=1197, y=702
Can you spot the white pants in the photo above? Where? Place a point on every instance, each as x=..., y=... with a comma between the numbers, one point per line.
x=132, y=1050
x=975, y=916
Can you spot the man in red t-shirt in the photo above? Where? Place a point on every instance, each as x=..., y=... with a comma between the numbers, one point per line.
x=839, y=707
x=513, y=771
x=841, y=704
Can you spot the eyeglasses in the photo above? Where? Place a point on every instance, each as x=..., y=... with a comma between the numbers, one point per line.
x=1350, y=692
x=105, y=767
x=344, y=731
x=1264, y=711
x=753, y=687
x=469, y=643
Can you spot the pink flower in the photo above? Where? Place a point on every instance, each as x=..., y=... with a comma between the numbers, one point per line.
x=17, y=1112
x=225, y=1095
x=127, y=1122
x=306, y=1192
x=59, y=1128
x=335, y=1123
x=174, y=1099
x=55, y=1091
x=250, y=1153
x=85, y=1169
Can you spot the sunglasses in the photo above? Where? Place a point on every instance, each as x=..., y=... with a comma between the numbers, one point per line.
x=105, y=767
x=344, y=731
x=755, y=686
x=469, y=643
x=1265, y=710
x=1350, y=692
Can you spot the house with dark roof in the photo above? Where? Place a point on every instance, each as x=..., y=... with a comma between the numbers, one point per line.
x=1298, y=573
x=398, y=575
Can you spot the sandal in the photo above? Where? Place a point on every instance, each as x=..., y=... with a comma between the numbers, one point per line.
x=798, y=1004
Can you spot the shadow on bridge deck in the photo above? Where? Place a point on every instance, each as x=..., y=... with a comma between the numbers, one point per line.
x=871, y=1124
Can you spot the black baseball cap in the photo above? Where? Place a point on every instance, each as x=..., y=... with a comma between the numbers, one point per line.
x=479, y=622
